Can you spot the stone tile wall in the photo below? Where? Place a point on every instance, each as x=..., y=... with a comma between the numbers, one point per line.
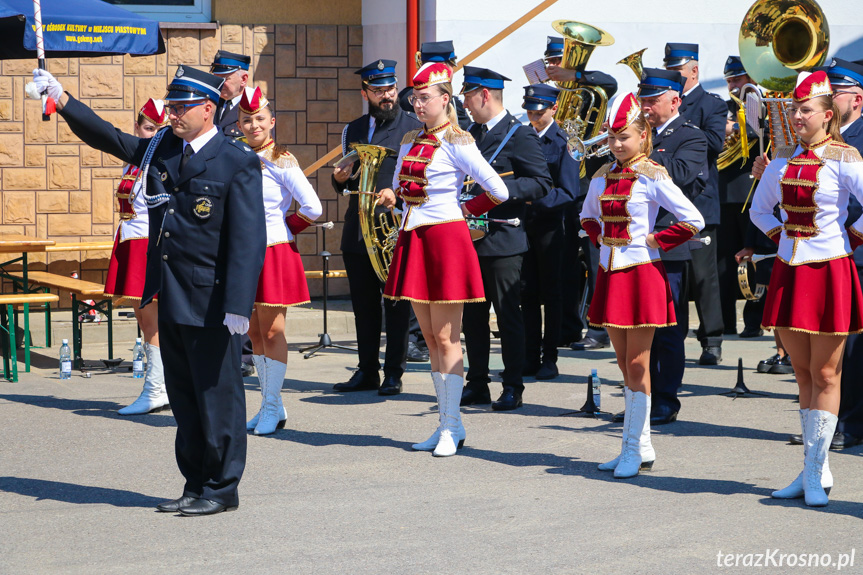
x=54, y=186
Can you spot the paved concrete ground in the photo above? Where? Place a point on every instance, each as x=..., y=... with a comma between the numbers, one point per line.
x=340, y=491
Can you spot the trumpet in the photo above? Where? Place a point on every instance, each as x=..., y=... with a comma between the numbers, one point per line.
x=593, y=148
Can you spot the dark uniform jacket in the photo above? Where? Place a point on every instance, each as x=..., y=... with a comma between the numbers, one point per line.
x=207, y=259
x=682, y=149
x=734, y=181
x=389, y=134
x=853, y=136
x=463, y=118
x=564, y=176
x=228, y=124
x=530, y=182
x=708, y=112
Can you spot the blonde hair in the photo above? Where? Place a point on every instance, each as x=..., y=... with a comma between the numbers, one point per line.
x=452, y=116
x=826, y=102
x=641, y=124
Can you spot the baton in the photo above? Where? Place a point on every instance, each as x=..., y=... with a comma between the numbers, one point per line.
x=705, y=241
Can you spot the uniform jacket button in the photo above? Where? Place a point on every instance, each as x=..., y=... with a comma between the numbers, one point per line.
x=165, y=257
x=176, y=189
x=217, y=282
x=171, y=211
x=167, y=234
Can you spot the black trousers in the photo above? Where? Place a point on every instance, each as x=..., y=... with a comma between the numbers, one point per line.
x=572, y=277
x=667, y=353
x=366, y=296
x=731, y=235
x=704, y=287
x=205, y=388
x=851, y=401
x=541, y=283
x=501, y=278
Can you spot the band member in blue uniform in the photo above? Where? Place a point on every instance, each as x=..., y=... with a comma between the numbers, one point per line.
x=542, y=270
x=384, y=125
x=206, y=249
x=508, y=146
x=443, y=52
x=234, y=69
x=708, y=112
x=681, y=149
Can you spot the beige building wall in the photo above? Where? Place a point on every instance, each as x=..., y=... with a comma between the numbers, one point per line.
x=53, y=186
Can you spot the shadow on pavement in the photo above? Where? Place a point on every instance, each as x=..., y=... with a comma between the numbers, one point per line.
x=72, y=493
x=91, y=408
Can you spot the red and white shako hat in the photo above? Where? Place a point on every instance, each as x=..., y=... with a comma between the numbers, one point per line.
x=154, y=110
x=432, y=73
x=253, y=100
x=811, y=85
x=624, y=111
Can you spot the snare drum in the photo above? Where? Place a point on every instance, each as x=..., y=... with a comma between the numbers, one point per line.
x=478, y=227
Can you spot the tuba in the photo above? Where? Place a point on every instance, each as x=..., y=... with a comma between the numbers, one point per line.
x=580, y=109
x=380, y=230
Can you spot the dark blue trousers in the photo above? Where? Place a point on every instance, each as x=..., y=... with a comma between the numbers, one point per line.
x=667, y=354
x=851, y=403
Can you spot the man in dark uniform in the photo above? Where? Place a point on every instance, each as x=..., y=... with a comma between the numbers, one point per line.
x=682, y=149
x=384, y=125
x=436, y=52
x=234, y=69
x=542, y=270
x=508, y=146
x=708, y=112
x=206, y=250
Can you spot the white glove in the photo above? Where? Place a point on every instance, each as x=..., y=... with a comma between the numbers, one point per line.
x=237, y=324
x=44, y=80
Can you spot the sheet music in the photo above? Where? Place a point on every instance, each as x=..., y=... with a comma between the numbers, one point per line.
x=535, y=72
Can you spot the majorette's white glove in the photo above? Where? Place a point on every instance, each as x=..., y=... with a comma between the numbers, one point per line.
x=44, y=80
x=237, y=324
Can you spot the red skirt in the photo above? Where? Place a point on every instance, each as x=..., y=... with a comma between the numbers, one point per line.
x=637, y=296
x=435, y=264
x=127, y=269
x=821, y=298
x=283, y=280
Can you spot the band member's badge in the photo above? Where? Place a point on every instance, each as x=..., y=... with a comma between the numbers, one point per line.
x=164, y=176
x=203, y=208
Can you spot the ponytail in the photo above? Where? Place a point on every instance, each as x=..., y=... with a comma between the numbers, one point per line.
x=452, y=116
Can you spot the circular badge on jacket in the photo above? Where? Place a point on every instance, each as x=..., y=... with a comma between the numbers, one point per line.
x=203, y=208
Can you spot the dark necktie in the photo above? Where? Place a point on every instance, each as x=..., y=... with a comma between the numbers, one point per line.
x=188, y=152
x=226, y=106
x=478, y=132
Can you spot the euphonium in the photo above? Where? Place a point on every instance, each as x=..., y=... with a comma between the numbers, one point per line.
x=634, y=63
x=737, y=145
x=380, y=230
x=580, y=108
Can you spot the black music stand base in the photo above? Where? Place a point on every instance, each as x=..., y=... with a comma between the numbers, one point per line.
x=740, y=389
x=323, y=343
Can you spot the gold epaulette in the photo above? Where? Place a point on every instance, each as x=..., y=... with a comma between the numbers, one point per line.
x=603, y=171
x=841, y=153
x=458, y=137
x=652, y=170
x=281, y=157
x=409, y=137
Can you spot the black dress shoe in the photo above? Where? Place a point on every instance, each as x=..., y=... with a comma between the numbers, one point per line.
x=618, y=417
x=360, y=381
x=417, y=354
x=782, y=366
x=548, y=370
x=751, y=332
x=663, y=419
x=710, y=355
x=587, y=344
x=471, y=396
x=529, y=369
x=510, y=399
x=843, y=440
x=796, y=439
x=174, y=505
x=201, y=507
x=247, y=369
x=765, y=364
x=391, y=386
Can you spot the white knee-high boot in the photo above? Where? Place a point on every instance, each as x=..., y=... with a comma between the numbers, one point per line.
x=820, y=426
x=452, y=435
x=153, y=397
x=638, y=443
x=795, y=489
x=261, y=372
x=430, y=443
x=627, y=400
x=273, y=413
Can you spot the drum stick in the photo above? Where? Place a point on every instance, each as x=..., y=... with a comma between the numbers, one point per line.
x=326, y=225
x=705, y=241
x=514, y=222
x=472, y=182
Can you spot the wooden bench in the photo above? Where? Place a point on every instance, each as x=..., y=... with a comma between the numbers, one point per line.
x=84, y=290
x=80, y=247
x=9, y=343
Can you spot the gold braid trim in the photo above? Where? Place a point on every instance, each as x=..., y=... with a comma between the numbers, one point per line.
x=841, y=153
x=773, y=232
x=419, y=159
x=612, y=197
x=414, y=179
x=798, y=209
x=622, y=175
x=603, y=171
x=305, y=218
x=613, y=219
x=458, y=137
x=804, y=162
x=856, y=233
x=652, y=170
x=799, y=182
x=278, y=155
x=409, y=137
x=689, y=227
x=800, y=228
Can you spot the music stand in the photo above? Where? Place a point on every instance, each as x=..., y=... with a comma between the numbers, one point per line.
x=325, y=340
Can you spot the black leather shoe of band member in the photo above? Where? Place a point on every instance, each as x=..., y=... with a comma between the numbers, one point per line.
x=843, y=440
x=663, y=418
x=765, y=364
x=201, y=507
x=547, y=371
x=417, y=354
x=618, y=417
x=510, y=399
x=587, y=344
x=750, y=332
x=796, y=439
x=391, y=386
x=471, y=396
x=360, y=381
x=173, y=506
x=710, y=355
x=782, y=366
x=247, y=369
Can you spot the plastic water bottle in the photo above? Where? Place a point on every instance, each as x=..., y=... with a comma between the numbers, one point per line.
x=138, y=359
x=65, y=361
x=596, y=385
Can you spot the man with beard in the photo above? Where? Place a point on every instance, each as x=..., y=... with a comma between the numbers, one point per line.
x=384, y=125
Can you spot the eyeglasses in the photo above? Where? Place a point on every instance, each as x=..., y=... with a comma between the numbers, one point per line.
x=804, y=113
x=179, y=110
x=378, y=92
x=421, y=101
